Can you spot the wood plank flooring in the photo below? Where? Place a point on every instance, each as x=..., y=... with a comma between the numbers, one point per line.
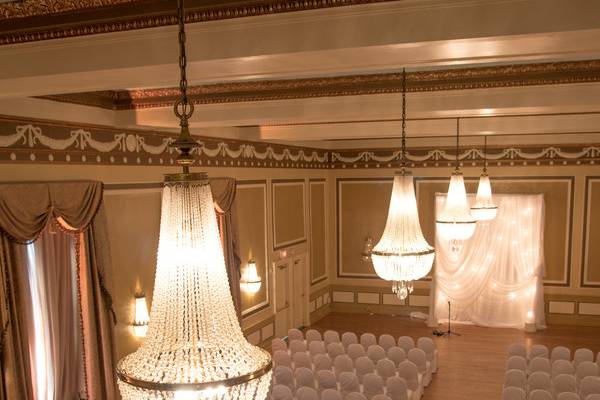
x=470, y=366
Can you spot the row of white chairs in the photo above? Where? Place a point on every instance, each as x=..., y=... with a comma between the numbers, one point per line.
x=513, y=393
x=558, y=367
x=557, y=353
x=347, y=339
x=562, y=383
x=281, y=392
x=404, y=387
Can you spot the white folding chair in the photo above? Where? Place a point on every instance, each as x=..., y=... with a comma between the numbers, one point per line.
x=297, y=346
x=281, y=357
x=322, y=362
x=560, y=353
x=540, y=394
x=516, y=362
x=304, y=378
x=513, y=393
x=396, y=388
x=375, y=352
x=396, y=354
x=355, y=396
x=313, y=335
x=406, y=343
x=331, y=394
x=385, y=368
x=367, y=339
x=588, y=386
x=408, y=371
x=560, y=367
x=306, y=393
x=284, y=376
x=515, y=378
x=372, y=385
x=582, y=355
x=281, y=392
x=335, y=349
x=295, y=334
x=356, y=350
x=302, y=359
x=428, y=346
x=349, y=338
x=316, y=347
x=348, y=383
x=517, y=349
x=386, y=341
x=564, y=383
x=342, y=363
x=570, y=396
x=418, y=357
x=363, y=366
x=593, y=397
x=278, y=344
x=326, y=380
x=539, y=381
x=381, y=397
x=586, y=368
x=331, y=337
x=538, y=350
x=539, y=364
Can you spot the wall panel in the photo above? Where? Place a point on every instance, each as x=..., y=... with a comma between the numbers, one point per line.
x=590, y=273
x=318, y=233
x=288, y=213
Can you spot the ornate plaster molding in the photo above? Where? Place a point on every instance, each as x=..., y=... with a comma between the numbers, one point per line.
x=355, y=85
x=47, y=142
x=34, y=20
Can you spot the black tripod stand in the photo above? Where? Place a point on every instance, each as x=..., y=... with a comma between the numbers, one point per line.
x=449, y=332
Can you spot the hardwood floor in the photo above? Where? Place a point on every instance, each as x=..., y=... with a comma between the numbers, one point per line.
x=470, y=366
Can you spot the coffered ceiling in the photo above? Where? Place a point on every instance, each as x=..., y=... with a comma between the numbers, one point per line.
x=325, y=75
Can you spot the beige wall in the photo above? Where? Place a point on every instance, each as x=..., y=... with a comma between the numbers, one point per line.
x=362, y=198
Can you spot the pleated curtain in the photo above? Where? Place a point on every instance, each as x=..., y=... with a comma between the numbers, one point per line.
x=494, y=279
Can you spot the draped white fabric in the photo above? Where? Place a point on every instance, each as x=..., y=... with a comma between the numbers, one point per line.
x=495, y=278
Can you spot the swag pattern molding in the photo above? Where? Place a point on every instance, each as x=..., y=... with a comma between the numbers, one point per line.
x=34, y=141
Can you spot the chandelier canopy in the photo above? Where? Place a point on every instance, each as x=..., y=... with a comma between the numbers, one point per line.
x=455, y=222
x=402, y=254
x=194, y=348
x=484, y=208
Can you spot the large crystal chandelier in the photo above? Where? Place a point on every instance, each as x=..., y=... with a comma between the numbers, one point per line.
x=402, y=255
x=455, y=223
x=484, y=208
x=194, y=348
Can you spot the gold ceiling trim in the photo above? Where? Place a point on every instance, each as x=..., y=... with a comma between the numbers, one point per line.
x=25, y=140
x=33, y=20
x=517, y=75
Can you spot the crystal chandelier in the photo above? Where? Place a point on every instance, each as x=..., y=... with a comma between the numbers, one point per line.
x=455, y=222
x=402, y=255
x=484, y=208
x=194, y=348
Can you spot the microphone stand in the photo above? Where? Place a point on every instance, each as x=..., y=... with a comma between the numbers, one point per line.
x=449, y=332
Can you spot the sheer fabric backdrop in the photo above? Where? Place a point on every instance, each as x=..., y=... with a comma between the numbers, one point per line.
x=495, y=278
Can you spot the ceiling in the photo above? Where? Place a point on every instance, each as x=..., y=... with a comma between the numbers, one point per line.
x=526, y=71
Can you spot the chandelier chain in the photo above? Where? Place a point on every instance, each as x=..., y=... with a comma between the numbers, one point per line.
x=457, y=134
x=186, y=107
x=403, y=150
x=485, y=154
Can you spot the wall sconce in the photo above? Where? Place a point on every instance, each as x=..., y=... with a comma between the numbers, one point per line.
x=366, y=253
x=142, y=318
x=250, y=281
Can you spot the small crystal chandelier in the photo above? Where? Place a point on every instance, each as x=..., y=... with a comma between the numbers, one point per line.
x=455, y=222
x=484, y=208
x=402, y=255
x=194, y=348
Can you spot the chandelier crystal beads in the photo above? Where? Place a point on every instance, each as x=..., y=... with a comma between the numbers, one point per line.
x=455, y=222
x=484, y=208
x=402, y=254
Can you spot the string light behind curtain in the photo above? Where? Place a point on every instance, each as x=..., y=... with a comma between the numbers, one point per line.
x=402, y=254
x=194, y=347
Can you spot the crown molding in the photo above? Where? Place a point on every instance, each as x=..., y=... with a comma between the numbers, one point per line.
x=518, y=75
x=55, y=142
x=33, y=20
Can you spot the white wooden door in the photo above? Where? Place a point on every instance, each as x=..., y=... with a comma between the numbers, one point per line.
x=299, y=280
